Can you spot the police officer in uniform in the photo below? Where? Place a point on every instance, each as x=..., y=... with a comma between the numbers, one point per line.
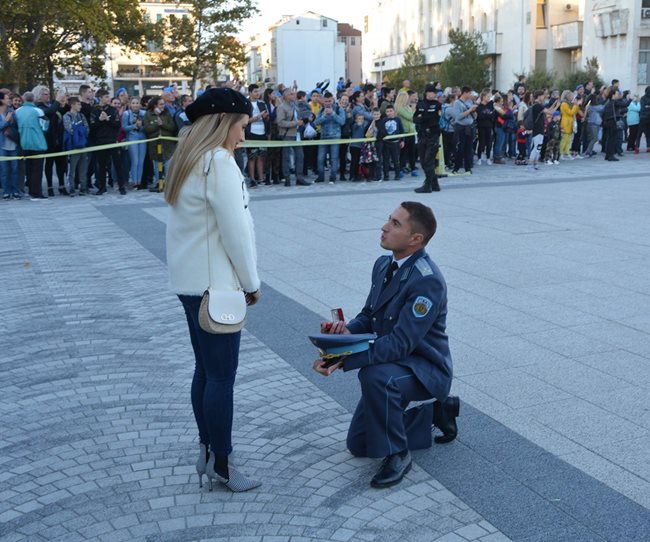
x=427, y=123
x=410, y=359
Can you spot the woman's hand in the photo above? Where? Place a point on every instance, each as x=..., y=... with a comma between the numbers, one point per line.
x=253, y=297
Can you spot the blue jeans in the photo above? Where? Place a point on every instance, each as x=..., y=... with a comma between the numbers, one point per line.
x=216, y=359
x=9, y=172
x=137, y=154
x=499, y=145
x=334, y=161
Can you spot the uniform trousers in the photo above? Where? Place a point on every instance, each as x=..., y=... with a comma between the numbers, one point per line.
x=380, y=425
x=428, y=149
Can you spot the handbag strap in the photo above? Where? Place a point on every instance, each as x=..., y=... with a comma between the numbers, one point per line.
x=206, y=170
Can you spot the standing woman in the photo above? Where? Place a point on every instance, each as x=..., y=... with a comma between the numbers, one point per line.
x=159, y=122
x=211, y=242
x=133, y=126
x=569, y=109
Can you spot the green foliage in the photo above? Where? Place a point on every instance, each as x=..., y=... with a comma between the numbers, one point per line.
x=580, y=77
x=65, y=35
x=540, y=78
x=196, y=46
x=413, y=68
x=465, y=64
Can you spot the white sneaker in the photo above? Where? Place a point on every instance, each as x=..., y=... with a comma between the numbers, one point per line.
x=579, y=156
x=569, y=157
x=556, y=162
x=479, y=162
x=549, y=162
x=489, y=162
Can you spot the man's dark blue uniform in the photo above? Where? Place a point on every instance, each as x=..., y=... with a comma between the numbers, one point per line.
x=410, y=360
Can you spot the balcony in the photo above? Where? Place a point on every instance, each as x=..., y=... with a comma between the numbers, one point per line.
x=492, y=42
x=567, y=35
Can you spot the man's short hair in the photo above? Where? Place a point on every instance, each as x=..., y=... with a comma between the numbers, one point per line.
x=465, y=90
x=301, y=94
x=421, y=218
x=328, y=94
x=28, y=96
x=389, y=106
x=73, y=100
x=538, y=93
x=252, y=87
x=286, y=92
x=102, y=92
x=83, y=88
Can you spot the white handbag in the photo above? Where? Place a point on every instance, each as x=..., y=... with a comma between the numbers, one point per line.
x=221, y=311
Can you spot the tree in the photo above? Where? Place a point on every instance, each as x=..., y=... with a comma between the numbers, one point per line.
x=590, y=72
x=65, y=35
x=465, y=64
x=198, y=44
x=540, y=78
x=413, y=68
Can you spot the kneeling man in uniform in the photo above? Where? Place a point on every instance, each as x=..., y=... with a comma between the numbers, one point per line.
x=409, y=360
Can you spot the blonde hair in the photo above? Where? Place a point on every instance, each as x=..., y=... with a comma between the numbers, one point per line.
x=204, y=135
x=401, y=101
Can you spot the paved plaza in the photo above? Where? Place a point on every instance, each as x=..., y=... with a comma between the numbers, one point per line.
x=549, y=324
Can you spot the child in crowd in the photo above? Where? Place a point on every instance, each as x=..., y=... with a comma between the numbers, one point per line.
x=358, y=131
x=390, y=125
x=75, y=137
x=522, y=144
x=553, y=133
x=369, y=155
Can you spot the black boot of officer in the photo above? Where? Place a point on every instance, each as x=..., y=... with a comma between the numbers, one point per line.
x=444, y=418
x=428, y=186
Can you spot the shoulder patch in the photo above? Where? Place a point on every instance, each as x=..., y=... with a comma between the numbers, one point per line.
x=423, y=267
x=421, y=306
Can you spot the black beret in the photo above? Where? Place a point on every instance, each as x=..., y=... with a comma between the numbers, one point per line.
x=218, y=100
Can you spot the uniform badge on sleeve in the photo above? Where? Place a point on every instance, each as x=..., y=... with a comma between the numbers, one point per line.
x=421, y=306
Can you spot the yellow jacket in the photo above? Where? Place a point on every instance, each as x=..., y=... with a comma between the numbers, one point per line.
x=568, y=115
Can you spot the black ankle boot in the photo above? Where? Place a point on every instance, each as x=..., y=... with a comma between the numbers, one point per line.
x=444, y=418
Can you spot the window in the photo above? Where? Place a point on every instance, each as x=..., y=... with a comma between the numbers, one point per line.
x=159, y=17
x=353, y=41
x=324, y=23
x=644, y=62
x=540, y=20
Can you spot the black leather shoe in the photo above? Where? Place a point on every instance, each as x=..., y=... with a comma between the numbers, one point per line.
x=393, y=468
x=444, y=418
x=302, y=182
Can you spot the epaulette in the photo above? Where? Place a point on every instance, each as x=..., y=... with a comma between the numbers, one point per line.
x=423, y=267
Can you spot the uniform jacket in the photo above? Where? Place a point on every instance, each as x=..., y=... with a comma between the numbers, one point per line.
x=427, y=118
x=28, y=119
x=409, y=317
x=225, y=222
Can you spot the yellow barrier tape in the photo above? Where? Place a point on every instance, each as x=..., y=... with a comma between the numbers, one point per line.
x=245, y=145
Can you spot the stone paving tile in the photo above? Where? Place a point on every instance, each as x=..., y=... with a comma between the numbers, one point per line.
x=98, y=440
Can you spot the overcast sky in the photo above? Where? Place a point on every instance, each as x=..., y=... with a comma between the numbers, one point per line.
x=344, y=11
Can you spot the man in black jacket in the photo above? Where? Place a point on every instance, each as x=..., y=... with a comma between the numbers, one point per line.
x=427, y=123
x=104, y=126
x=644, y=121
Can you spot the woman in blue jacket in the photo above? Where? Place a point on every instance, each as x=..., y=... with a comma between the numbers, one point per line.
x=132, y=124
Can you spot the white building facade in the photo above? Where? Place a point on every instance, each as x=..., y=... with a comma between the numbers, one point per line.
x=304, y=48
x=519, y=35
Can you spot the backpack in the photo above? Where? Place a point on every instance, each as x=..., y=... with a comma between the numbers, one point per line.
x=529, y=121
x=78, y=139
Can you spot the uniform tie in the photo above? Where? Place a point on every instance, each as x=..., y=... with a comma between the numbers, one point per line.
x=389, y=274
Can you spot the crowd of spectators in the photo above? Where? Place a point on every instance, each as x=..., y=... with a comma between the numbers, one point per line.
x=527, y=126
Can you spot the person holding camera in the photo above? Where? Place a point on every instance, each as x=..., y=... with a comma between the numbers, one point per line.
x=464, y=110
x=289, y=121
x=569, y=108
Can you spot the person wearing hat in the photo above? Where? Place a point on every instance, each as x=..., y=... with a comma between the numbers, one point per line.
x=410, y=358
x=211, y=243
x=427, y=123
